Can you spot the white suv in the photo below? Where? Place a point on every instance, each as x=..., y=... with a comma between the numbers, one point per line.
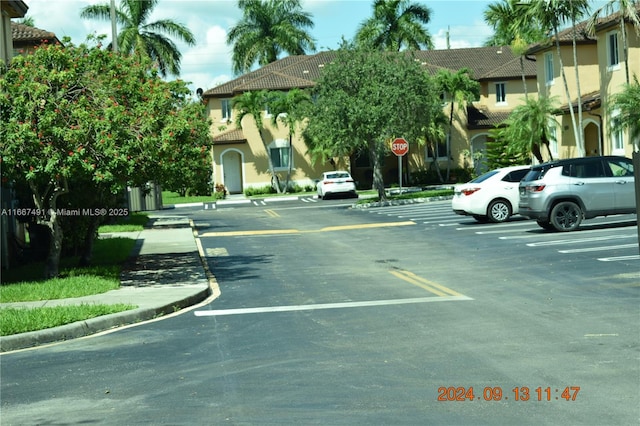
x=560, y=194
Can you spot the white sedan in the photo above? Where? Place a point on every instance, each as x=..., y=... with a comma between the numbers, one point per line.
x=333, y=183
x=492, y=196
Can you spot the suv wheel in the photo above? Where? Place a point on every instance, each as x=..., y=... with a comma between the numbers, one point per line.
x=566, y=216
x=499, y=211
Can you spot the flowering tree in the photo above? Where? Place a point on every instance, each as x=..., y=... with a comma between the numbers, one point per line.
x=84, y=114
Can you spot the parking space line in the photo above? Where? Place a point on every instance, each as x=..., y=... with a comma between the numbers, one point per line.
x=619, y=258
x=312, y=307
x=600, y=248
x=579, y=240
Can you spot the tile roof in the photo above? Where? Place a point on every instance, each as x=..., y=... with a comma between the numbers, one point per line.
x=584, y=37
x=483, y=118
x=304, y=70
x=23, y=34
x=229, y=137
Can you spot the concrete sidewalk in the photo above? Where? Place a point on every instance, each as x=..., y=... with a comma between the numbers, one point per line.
x=165, y=273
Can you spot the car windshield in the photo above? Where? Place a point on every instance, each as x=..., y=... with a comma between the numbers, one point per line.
x=484, y=177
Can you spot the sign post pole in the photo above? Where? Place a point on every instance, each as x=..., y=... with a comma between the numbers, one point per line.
x=400, y=147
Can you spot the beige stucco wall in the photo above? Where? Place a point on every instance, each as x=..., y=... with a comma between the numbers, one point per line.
x=254, y=160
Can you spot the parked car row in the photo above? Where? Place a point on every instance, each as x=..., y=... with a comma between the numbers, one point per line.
x=559, y=194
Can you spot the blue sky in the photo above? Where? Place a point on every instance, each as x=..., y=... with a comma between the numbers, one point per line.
x=209, y=62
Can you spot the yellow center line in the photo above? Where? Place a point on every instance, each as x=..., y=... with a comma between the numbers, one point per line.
x=272, y=213
x=430, y=286
x=296, y=231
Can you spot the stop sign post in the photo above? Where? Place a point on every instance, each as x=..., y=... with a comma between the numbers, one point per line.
x=400, y=147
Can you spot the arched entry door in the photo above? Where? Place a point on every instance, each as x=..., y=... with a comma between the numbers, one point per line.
x=232, y=171
x=592, y=139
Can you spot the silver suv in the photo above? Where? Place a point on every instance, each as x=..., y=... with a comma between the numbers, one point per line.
x=560, y=194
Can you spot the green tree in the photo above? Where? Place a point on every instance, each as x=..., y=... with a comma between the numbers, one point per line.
x=628, y=103
x=627, y=11
x=86, y=119
x=551, y=15
x=396, y=24
x=142, y=38
x=529, y=127
x=364, y=99
x=268, y=28
x=287, y=109
x=254, y=104
x=434, y=134
x=458, y=88
x=500, y=153
x=510, y=29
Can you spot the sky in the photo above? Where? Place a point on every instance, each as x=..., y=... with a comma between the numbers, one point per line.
x=208, y=63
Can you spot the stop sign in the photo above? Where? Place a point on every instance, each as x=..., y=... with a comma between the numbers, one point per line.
x=399, y=147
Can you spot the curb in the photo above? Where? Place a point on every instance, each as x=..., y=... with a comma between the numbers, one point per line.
x=95, y=325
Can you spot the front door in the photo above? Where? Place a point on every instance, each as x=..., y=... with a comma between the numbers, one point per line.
x=232, y=170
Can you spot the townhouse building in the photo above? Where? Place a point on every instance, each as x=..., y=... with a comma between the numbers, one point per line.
x=600, y=75
x=239, y=158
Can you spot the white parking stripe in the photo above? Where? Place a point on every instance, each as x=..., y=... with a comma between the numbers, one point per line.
x=601, y=248
x=619, y=258
x=579, y=240
x=264, y=309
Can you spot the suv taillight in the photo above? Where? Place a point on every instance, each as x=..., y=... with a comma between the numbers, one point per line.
x=535, y=188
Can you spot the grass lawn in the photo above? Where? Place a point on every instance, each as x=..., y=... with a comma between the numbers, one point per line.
x=24, y=283
x=134, y=222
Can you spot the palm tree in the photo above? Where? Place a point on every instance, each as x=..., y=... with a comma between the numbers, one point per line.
x=396, y=24
x=434, y=134
x=27, y=20
x=268, y=28
x=253, y=103
x=459, y=88
x=628, y=11
x=551, y=14
x=529, y=127
x=628, y=103
x=510, y=29
x=286, y=108
x=139, y=37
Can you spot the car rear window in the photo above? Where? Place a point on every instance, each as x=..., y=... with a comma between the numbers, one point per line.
x=484, y=177
x=337, y=175
x=515, y=176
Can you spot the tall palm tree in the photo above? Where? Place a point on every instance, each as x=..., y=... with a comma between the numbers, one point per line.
x=268, y=28
x=459, y=88
x=253, y=103
x=510, y=29
x=139, y=37
x=396, y=24
x=552, y=14
x=628, y=11
x=286, y=108
x=529, y=127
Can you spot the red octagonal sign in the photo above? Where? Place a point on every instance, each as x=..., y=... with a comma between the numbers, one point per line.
x=400, y=147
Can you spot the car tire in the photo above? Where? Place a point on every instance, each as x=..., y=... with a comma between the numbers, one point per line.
x=566, y=216
x=544, y=224
x=499, y=211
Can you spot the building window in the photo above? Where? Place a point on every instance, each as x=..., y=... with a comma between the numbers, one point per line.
x=553, y=139
x=617, y=137
x=441, y=151
x=280, y=154
x=226, y=110
x=613, y=58
x=548, y=68
x=501, y=93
